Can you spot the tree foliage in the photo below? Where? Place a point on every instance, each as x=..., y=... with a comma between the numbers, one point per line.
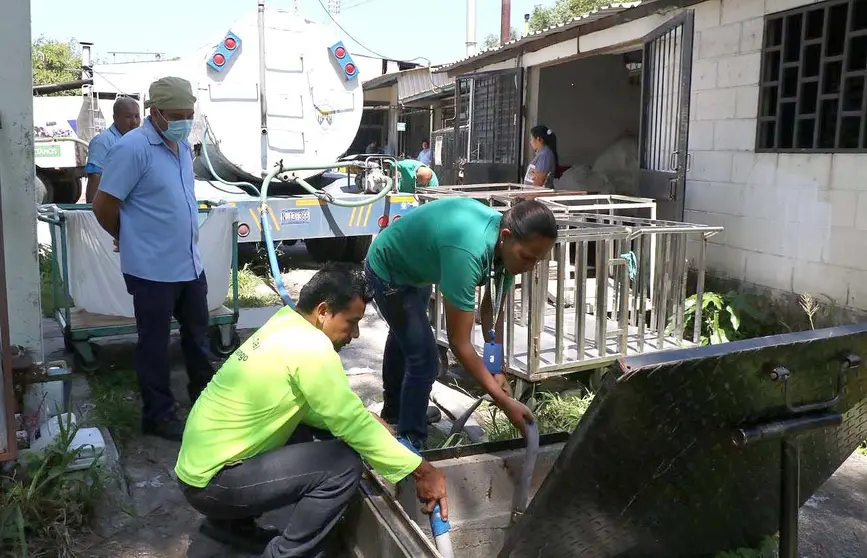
x=492, y=41
x=56, y=62
x=562, y=11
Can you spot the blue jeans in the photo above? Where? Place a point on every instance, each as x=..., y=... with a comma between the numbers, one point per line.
x=410, y=361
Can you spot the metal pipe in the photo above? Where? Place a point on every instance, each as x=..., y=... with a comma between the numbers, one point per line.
x=6, y=349
x=471, y=28
x=790, y=495
x=78, y=141
x=263, y=97
x=58, y=87
x=505, y=21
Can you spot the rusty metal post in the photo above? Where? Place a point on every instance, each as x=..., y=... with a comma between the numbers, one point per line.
x=505, y=21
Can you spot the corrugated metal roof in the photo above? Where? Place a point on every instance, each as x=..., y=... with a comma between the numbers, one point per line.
x=431, y=94
x=419, y=80
x=411, y=84
x=595, y=15
x=385, y=80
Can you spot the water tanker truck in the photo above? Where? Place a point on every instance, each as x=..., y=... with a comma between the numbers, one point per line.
x=277, y=89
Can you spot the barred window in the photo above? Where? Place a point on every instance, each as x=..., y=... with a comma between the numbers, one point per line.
x=813, y=94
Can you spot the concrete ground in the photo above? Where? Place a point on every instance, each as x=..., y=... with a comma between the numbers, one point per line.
x=145, y=515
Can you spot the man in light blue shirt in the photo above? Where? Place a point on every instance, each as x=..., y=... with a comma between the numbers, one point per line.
x=146, y=201
x=425, y=155
x=126, y=117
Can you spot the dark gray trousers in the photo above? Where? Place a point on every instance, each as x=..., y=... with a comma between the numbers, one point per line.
x=315, y=479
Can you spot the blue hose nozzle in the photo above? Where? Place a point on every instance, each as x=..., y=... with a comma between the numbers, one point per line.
x=439, y=527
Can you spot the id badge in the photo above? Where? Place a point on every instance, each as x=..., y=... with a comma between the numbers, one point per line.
x=493, y=356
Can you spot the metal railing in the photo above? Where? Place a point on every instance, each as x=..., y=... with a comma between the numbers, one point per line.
x=614, y=285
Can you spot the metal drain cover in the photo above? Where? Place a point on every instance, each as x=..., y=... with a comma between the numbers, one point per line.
x=652, y=469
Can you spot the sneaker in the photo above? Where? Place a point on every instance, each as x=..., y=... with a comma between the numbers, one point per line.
x=241, y=534
x=171, y=429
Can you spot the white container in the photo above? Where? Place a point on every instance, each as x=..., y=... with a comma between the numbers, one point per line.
x=88, y=442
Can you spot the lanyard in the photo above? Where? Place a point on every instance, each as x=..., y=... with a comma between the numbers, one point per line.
x=498, y=302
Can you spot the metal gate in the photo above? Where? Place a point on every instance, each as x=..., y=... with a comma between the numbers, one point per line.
x=488, y=106
x=666, y=76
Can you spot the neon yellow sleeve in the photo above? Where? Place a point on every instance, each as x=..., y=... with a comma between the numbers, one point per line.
x=314, y=420
x=323, y=383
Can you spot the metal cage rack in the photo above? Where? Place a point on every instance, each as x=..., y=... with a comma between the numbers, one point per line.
x=614, y=285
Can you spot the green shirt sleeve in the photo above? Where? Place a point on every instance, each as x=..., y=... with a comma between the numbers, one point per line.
x=322, y=381
x=460, y=275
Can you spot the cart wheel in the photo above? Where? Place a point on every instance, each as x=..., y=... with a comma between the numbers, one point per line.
x=84, y=357
x=219, y=348
x=443, y=371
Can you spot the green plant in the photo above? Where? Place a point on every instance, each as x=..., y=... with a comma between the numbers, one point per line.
x=116, y=404
x=554, y=413
x=46, y=280
x=43, y=505
x=253, y=291
x=729, y=317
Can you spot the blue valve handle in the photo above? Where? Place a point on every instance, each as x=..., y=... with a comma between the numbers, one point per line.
x=438, y=525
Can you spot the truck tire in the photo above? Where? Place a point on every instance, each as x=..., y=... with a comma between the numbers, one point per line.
x=67, y=191
x=326, y=249
x=356, y=248
x=44, y=192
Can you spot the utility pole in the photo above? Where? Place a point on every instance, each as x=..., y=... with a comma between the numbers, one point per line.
x=505, y=21
x=471, y=27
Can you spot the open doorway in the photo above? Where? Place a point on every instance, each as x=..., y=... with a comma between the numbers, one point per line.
x=622, y=119
x=593, y=105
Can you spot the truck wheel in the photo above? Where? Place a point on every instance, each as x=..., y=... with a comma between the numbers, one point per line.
x=67, y=191
x=326, y=249
x=356, y=248
x=44, y=191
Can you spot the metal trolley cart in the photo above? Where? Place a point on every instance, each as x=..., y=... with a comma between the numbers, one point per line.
x=582, y=315
x=80, y=327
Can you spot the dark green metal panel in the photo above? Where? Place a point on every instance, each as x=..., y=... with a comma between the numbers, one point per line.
x=652, y=469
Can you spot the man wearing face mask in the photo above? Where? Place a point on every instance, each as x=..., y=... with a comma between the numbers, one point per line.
x=146, y=201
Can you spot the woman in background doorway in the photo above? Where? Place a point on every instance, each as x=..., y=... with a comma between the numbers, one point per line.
x=543, y=167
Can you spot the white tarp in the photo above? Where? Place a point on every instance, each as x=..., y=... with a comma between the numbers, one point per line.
x=96, y=282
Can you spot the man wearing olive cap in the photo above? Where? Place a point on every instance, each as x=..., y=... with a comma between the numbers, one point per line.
x=146, y=201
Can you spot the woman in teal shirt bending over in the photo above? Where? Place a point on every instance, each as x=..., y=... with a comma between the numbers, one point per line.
x=458, y=244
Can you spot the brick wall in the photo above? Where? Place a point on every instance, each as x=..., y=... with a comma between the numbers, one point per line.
x=793, y=222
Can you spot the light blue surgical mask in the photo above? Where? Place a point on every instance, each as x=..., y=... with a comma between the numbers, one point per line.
x=178, y=130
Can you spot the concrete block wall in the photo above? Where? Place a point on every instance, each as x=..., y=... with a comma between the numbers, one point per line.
x=794, y=222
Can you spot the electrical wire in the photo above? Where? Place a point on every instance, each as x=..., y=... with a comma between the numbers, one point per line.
x=362, y=45
x=434, y=87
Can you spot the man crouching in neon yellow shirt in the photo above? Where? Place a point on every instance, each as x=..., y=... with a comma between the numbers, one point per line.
x=248, y=444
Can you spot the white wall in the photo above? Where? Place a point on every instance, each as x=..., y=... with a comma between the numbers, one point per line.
x=17, y=175
x=588, y=103
x=794, y=222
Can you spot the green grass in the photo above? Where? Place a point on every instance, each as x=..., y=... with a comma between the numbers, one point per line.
x=554, y=413
x=49, y=306
x=116, y=402
x=253, y=292
x=44, y=509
